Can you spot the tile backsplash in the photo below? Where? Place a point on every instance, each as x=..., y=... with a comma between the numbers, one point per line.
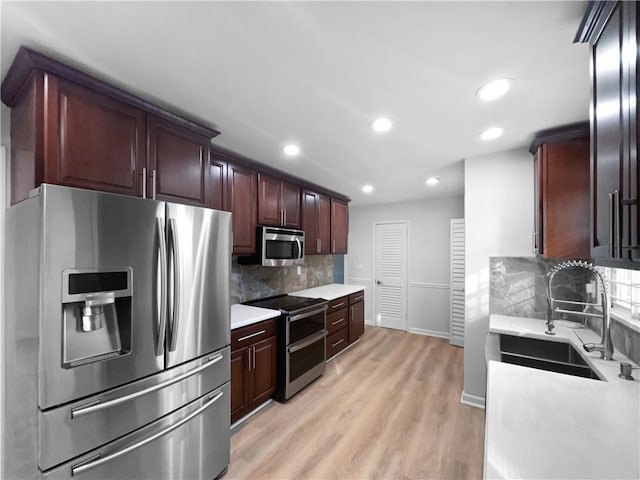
x=518, y=287
x=250, y=282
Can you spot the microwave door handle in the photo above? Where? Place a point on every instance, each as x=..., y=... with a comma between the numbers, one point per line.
x=299, y=248
x=162, y=294
x=175, y=316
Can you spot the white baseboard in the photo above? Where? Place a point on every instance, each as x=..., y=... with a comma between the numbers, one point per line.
x=431, y=333
x=473, y=400
x=369, y=322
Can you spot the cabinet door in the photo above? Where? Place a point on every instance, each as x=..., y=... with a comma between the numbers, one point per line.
x=607, y=128
x=356, y=321
x=269, y=205
x=239, y=383
x=310, y=222
x=217, y=176
x=178, y=162
x=565, y=200
x=241, y=202
x=92, y=141
x=291, y=205
x=339, y=226
x=324, y=224
x=263, y=374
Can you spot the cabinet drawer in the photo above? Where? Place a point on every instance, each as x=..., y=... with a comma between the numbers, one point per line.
x=337, y=320
x=337, y=341
x=337, y=304
x=245, y=336
x=356, y=297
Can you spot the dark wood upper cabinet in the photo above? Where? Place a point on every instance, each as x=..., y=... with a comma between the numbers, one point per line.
x=241, y=202
x=316, y=222
x=612, y=28
x=278, y=202
x=178, y=163
x=339, y=226
x=69, y=135
x=562, y=192
x=69, y=128
x=217, y=179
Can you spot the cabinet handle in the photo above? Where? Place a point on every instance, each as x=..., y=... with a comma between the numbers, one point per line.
x=535, y=245
x=337, y=305
x=611, y=219
x=616, y=210
x=333, y=249
x=318, y=245
x=249, y=358
x=252, y=335
x=284, y=214
x=357, y=299
x=254, y=357
x=144, y=182
x=337, y=343
x=337, y=321
x=155, y=181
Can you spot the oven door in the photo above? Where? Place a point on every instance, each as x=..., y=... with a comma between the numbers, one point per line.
x=305, y=361
x=302, y=325
x=282, y=247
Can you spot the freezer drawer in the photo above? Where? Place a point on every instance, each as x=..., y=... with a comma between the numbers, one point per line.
x=191, y=443
x=71, y=430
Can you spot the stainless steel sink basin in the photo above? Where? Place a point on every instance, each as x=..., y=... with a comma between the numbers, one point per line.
x=544, y=355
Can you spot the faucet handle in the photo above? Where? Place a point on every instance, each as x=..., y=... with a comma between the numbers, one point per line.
x=626, y=369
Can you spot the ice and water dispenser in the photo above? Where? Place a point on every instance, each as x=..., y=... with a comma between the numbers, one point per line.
x=96, y=311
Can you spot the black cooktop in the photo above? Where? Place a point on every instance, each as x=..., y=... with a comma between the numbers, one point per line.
x=287, y=303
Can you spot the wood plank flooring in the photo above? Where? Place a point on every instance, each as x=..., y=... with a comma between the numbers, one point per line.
x=387, y=408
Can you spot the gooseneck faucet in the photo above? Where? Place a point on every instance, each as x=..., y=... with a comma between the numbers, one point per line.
x=605, y=347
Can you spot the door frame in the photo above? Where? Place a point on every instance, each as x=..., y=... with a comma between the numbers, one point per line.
x=376, y=320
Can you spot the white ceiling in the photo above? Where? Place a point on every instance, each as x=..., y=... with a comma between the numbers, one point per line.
x=317, y=73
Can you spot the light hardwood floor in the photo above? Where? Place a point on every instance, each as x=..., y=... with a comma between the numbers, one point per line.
x=387, y=408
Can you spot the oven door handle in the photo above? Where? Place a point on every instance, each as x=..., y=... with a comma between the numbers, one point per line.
x=307, y=314
x=305, y=342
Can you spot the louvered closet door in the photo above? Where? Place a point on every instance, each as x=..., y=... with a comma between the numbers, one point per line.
x=457, y=282
x=391, y=275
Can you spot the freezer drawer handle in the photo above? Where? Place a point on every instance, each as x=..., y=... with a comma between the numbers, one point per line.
x=98, y=405
x=98, y=460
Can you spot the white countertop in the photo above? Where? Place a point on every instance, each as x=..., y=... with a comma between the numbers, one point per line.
x=243, y=315
x=543, y=424
x=329, y=292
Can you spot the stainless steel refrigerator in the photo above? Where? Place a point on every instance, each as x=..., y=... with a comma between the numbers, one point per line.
x=117, y=338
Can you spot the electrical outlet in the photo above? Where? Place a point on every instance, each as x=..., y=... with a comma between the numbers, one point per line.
x=299, y=270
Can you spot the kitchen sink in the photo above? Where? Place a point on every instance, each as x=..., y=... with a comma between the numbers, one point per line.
x=545, y=355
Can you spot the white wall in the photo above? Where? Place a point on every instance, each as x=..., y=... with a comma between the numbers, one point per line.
x=428, y=257
x=498, y=211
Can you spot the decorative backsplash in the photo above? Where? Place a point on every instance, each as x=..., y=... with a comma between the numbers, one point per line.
x=518, y=287
x=251, y=282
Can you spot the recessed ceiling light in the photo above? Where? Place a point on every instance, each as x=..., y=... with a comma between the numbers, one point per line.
x=431, y=181
x=491, y=133
x=291, y=150
x=381, y=125
x=367, y=188
x=494, y=89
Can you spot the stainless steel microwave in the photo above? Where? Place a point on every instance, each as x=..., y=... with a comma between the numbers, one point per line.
x=280, y=247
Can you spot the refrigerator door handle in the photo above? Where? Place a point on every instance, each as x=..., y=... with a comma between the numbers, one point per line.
x=98, y=460
x=175, y=315
x=162, y=270
x=98, y=405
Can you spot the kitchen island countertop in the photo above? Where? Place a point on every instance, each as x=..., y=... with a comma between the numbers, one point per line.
x=542, y=424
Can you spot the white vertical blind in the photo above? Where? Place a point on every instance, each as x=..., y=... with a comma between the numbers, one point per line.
x=457, y=282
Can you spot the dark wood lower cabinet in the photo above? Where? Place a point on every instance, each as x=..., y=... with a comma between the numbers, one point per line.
x=356, y=321
x=253, y=367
